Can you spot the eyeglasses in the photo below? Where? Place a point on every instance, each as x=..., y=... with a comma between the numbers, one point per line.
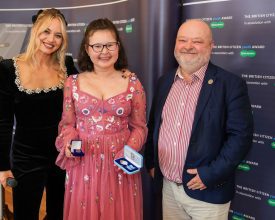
x=98, y=48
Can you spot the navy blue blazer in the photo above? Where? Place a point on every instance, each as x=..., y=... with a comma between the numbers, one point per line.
x=221, y=134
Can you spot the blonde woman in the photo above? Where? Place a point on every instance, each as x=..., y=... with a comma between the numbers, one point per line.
x=31, y=91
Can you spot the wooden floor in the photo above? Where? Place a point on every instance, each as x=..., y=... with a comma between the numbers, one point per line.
x=8, y=202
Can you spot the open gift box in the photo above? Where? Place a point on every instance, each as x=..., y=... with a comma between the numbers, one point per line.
x=131, y=162
x=76, y=148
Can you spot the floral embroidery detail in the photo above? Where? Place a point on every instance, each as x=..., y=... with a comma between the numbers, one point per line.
x=75, y=95
x=133, y=78
x=134, y=140
x=110, y=118
x=113, y=150
x=111, y=197
x=96, y=119
x=108, y=126
x=120, y=111
x=99, y=127
x=74, y=89
x=83, y=99
x=85, y=111
x=103, y=127
x=129, y=96
x=94, y=101
x=80, y=126
x=135, y=190
x=82, y=204
x=86, y=178
x=119, y=178
x=67, y=106
x=111, y=101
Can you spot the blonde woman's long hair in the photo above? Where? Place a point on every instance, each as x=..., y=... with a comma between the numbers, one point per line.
x=41, y=23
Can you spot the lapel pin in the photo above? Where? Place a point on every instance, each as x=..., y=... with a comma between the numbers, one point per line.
x=210, y=81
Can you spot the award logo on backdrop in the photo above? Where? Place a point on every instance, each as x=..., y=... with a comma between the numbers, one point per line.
x=244, y=45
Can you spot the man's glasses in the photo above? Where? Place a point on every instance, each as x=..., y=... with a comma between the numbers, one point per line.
x=98, y=48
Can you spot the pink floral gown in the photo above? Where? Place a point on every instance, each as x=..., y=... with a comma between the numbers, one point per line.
x=95, y=188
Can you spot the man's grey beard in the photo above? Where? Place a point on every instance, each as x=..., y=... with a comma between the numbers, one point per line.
x=193, y=65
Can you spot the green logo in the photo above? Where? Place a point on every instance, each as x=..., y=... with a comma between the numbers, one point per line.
x=271, y=202
x=129, y=28
x=273, y=143
x=217, y=24
x=234, y=217
x=248, y=53
x=244, y=167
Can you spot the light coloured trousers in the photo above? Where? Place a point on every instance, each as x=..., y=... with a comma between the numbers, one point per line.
x=177, y=205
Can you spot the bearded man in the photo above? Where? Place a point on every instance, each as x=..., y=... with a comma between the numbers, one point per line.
x=200, y=129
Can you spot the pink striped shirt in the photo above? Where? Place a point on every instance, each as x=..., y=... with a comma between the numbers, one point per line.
x=177, y=120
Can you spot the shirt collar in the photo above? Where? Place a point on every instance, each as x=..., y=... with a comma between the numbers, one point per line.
x=199, y=74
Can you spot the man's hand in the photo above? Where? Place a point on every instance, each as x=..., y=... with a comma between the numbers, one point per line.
x=152, y=172
x=195, y=183
x=3, y=177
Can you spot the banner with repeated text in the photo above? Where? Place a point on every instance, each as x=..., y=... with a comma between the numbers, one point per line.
x=244, y=44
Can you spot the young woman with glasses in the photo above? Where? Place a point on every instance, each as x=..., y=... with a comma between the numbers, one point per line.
x=104, y=108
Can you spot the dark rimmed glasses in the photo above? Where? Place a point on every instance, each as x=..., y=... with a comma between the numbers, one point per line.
x=98, y=48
